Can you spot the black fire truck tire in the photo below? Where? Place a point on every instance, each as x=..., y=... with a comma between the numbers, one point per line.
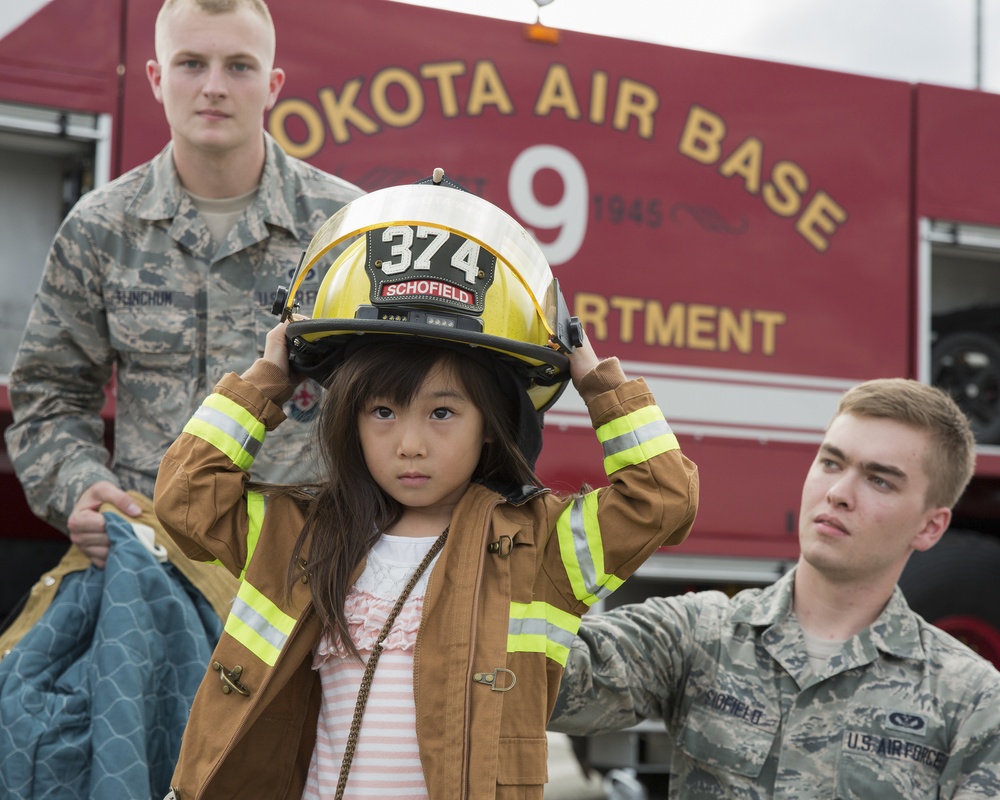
x=967, y=366
x=954, y=585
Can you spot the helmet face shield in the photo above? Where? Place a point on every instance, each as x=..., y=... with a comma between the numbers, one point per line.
x=437, y=263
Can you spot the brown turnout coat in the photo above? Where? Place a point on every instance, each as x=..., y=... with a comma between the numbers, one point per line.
x=503, y=551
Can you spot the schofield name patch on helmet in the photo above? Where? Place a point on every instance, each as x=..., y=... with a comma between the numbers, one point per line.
x=423, y=264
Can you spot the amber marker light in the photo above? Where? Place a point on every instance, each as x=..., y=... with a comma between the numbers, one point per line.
x=536, y=32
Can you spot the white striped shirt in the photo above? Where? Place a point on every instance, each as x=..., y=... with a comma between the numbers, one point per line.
x=386, y=760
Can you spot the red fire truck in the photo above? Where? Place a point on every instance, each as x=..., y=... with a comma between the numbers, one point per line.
x=753, y=238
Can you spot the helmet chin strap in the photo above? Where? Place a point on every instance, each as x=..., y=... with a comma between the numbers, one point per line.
x=529, y=421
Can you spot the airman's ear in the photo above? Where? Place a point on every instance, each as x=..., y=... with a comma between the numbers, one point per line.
x=275, y=81
x=936, y=524
x=153, y=75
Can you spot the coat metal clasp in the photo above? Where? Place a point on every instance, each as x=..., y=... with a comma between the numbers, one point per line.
x=492, y=679
x=501, y=547
x=231, y=679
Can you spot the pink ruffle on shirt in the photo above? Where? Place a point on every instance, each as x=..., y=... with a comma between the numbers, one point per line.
x=366, y=614
x=368, y=605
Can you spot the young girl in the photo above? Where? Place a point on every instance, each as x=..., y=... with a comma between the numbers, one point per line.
x=401, y=629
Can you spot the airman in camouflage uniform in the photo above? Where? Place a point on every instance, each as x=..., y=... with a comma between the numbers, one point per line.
x=135, y=283
x=825, y=684
x=137, y=287
x=903, y=711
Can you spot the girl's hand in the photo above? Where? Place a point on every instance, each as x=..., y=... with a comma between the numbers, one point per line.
x=581, y=361
x=276, y=347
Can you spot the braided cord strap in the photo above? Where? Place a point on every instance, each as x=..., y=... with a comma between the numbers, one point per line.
x=366, y=678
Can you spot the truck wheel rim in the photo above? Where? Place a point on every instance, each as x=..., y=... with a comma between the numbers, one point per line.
x=974, y=632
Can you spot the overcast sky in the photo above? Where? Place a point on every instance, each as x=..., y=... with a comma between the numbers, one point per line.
x=930, y=41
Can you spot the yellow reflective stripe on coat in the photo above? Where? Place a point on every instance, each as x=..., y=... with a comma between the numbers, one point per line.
x=635, y=438
x=582, y=549
x=258, y=624
x=228, y=427
x=254, y=621
x=541, y=628
x=256, y=506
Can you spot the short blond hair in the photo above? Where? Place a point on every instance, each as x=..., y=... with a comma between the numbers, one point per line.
x=222, y=6
x=214, y=7
x=951, y=459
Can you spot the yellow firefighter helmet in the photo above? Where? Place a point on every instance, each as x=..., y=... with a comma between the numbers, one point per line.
x=431, y=260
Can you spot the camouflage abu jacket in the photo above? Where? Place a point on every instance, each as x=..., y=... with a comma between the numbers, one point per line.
x=905, y=711
x=136, y=286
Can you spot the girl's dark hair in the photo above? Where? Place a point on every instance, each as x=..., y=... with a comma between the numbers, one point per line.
x=346, y=513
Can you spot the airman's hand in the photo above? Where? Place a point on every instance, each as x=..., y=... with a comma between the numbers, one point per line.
x=86, y=524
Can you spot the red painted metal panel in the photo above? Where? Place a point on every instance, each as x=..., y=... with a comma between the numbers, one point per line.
x=145, y=131
x=65, y=56
x=957, y=165
x=405, y=89
x=749, y=490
